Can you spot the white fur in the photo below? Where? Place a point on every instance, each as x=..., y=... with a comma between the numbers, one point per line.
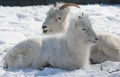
x=108, y=46
x=70, y=50
x=53, y=17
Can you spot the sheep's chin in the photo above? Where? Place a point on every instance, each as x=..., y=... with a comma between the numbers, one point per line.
x=48, y=32
x=93, y=43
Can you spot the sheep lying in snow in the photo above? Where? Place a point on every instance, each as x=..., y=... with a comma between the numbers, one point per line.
x=108, y=46
x=57, y=17
x=70, y=50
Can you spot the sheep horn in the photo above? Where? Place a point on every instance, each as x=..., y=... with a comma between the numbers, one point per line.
x=69, y=4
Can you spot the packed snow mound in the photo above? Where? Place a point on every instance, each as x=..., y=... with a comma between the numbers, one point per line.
x=20, y=23
x=106, y=69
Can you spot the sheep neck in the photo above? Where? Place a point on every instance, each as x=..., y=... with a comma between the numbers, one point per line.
x=76, y=44
x=80, y=51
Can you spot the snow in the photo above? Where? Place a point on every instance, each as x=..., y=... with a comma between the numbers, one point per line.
x=20, y=23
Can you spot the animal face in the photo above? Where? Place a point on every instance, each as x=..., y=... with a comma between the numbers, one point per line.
x=56, y=18
x=54, y=23
x=81, y=27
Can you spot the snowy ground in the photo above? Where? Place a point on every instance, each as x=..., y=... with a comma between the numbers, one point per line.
x=19, y=23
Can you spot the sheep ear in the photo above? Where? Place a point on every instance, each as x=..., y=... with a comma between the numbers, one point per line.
x=55, y=4
x=66, y=10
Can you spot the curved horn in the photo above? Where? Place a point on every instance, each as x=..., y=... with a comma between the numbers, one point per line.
x=69, y=4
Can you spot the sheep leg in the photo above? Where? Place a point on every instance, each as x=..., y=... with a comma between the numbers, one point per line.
x=39, y=63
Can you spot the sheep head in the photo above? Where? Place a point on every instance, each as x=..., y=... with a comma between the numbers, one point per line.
x=56, y=18
x=80, y=27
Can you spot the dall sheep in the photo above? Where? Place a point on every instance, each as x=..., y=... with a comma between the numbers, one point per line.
x=70, y=50
x=108, y=46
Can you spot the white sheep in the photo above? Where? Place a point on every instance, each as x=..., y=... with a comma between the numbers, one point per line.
x=108, y=46
x=70, y=50
x=55, y=13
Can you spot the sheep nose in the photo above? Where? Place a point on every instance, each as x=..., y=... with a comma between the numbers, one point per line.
x=96, y=39
x=43, y=27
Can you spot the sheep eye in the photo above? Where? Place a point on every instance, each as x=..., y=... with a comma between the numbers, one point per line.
x=59, y=18
x=84, y=29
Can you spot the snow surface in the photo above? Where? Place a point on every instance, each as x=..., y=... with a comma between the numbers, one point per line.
x=19, y=23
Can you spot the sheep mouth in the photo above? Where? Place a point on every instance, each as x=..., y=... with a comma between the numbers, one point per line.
x=93, y=42
x=45, y=31
x=48, y=31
